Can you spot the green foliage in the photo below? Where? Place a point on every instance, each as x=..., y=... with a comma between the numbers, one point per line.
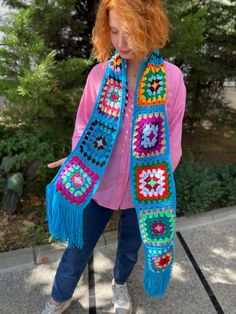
x=28, y=144
x=37, y=87
x=198, y=187
x=202, y=44
x=64, y=25
x=35, y=236
x=42, y=78
x=227, y=177
x=187, y=32
x=11, y=185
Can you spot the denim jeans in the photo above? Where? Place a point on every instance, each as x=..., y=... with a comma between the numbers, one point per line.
x=74, y=260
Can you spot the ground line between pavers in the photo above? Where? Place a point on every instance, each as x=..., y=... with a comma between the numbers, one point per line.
x=200, y=274
x=91, y=286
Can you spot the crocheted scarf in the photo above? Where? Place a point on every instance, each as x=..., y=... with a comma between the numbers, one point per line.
x=151, y=176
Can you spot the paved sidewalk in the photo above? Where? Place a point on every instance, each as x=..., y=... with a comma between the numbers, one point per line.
x=204, y=273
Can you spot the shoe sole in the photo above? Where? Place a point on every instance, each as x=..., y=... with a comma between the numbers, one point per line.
x=66, y=305
x=115, y=312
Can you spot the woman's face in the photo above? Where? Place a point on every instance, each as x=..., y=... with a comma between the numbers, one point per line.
x=118, y=38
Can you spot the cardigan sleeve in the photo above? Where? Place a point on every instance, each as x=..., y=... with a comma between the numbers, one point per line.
x=86, y=107
x=176, y=120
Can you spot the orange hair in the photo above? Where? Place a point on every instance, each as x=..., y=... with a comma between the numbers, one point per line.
x=144, y=20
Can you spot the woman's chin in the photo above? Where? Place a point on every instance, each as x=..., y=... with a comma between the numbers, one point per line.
x=129, y=55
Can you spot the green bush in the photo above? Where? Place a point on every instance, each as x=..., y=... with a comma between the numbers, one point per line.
x=27, y=144
x=227, y=177
x=196, y=187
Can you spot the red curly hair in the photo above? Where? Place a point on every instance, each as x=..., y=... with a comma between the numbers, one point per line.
x=145, y=21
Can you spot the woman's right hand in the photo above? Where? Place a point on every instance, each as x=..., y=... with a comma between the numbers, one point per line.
x=56, y=163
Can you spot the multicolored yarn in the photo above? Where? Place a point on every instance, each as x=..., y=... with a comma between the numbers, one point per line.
x=151, y=176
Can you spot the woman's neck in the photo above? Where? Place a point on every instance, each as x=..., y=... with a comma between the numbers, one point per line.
x=133, y=65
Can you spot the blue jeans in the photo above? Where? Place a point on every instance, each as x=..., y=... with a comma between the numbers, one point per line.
x=74, y=260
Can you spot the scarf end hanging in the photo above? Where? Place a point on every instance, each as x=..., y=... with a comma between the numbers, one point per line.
x=156, y=284
x=65, y=220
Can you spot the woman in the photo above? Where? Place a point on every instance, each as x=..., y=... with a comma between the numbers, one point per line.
x=135, y=30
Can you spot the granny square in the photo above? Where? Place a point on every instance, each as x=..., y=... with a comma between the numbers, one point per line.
x=157, y=226
x=152, y=182
x=152, y=88
x=97, y=143
x=160, y=259
x=76, y=181
x=110, y=101
x=149, y=135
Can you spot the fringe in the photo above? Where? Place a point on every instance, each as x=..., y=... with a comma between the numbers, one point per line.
x=156, y=284
x=65, y=220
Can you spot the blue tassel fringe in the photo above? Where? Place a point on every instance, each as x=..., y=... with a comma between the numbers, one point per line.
x=156, y=284
x=65, y=220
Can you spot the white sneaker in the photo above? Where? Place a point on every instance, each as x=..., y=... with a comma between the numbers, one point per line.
x=56, y=308
x=121, y=299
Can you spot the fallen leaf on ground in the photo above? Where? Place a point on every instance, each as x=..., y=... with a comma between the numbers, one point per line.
x=43, y=260
x=28, y=223
x=32, y=215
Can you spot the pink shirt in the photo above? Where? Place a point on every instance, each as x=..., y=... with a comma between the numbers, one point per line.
x=114, y=189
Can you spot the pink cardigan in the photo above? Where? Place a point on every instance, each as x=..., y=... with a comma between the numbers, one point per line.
x=114, y=189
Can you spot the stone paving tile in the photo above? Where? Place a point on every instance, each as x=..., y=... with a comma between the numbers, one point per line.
x=214, y=249
x=26, y=290
x=16, y=258
x=185, y=293
x=103, y=265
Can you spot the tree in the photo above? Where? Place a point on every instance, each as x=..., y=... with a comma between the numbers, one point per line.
x=202, y=43
x=64, y=25
x=41, y=81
